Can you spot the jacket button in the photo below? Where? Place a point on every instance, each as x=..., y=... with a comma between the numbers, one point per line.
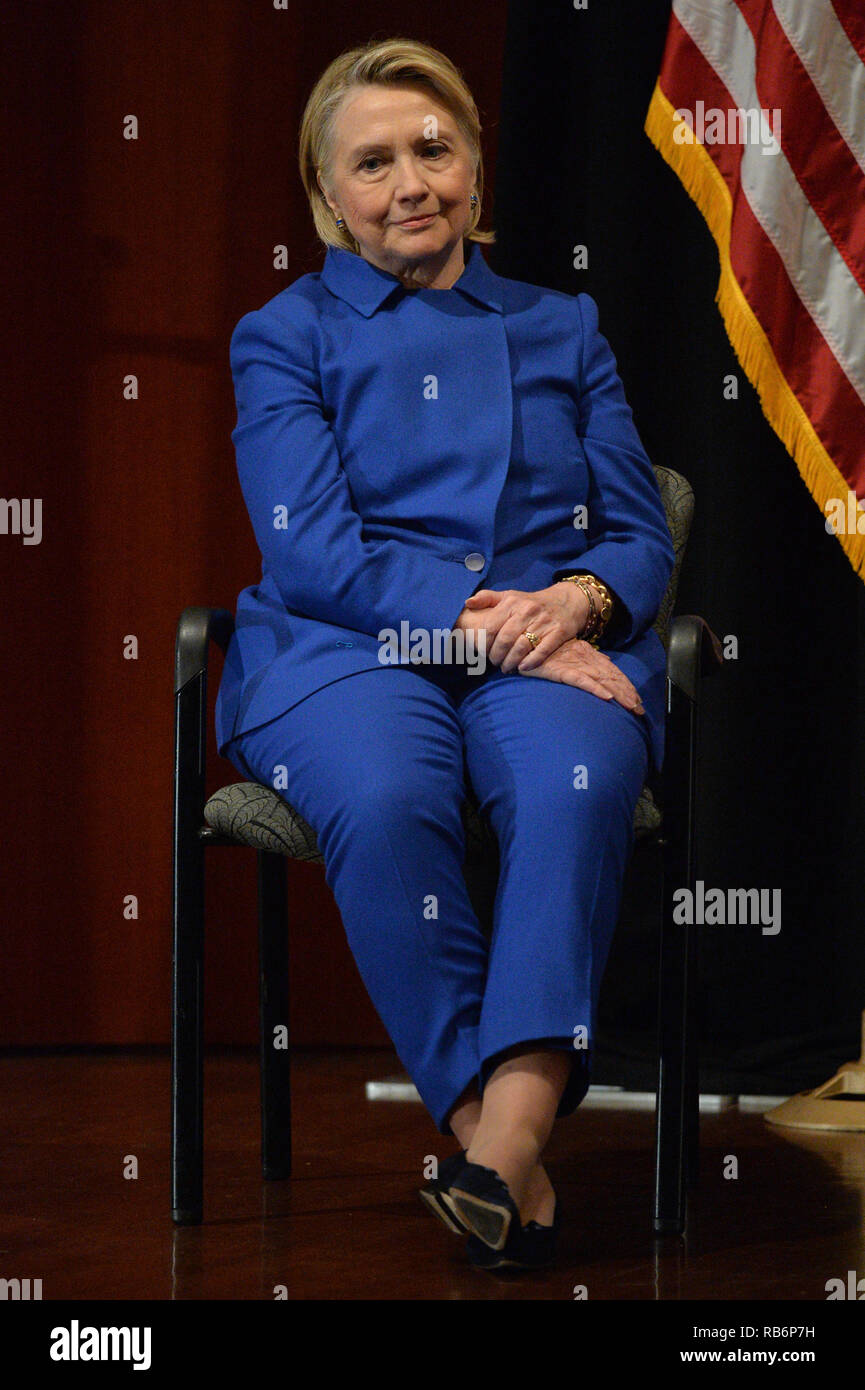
x=474, y=561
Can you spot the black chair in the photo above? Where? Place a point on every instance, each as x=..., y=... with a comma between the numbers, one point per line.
x=250, y=814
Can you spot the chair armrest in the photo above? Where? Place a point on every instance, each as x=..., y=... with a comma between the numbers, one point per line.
x=693, y=651
x=196, y=628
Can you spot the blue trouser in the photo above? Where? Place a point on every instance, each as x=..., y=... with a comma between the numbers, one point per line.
x=376, y=763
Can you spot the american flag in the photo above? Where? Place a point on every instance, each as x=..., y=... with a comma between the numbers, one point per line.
x=759, y=108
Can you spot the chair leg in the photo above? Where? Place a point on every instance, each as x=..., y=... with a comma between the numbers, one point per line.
x=187, y=1030
x=692, y=1066
x=275, y=1055
x=677, y=1101
x=670, y=1131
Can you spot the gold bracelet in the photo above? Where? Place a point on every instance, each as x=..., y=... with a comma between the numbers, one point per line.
x=594, y=629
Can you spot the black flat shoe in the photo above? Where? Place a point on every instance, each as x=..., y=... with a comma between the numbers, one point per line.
x=436, y=1196
x=481, y=1198
x=527, y=1247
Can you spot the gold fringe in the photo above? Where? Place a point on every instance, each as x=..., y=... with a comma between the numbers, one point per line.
x=704, y=183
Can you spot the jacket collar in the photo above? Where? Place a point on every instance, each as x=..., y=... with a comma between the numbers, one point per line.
x=365, y=286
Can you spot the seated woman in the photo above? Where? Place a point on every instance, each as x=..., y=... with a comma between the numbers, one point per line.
x=425, y=447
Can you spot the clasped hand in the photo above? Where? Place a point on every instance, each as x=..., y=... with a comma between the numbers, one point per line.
x=557, y=616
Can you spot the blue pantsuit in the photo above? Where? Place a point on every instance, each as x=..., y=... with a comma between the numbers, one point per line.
x=376, y=763
x=398, y=450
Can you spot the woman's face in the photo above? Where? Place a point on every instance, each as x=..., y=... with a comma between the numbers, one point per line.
x=400, y=155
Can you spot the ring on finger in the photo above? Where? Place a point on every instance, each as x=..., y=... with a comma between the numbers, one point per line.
x=532, y=638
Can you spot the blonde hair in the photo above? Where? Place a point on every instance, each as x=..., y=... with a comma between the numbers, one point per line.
x=385, y=62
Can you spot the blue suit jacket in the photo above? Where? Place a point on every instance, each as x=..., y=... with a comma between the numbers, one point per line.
x=375, y=429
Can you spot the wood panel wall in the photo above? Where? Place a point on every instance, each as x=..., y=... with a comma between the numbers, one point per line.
x=137, y=257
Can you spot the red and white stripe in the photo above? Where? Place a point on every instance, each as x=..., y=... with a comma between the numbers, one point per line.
x=798, y=224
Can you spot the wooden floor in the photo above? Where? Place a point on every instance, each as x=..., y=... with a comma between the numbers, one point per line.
x=349, y=1224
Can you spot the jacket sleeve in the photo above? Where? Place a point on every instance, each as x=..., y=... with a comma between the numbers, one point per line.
x=628, y=539
x=299, y=500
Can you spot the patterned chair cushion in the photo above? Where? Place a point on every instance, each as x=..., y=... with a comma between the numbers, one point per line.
x=252, y=814
x=677, y=496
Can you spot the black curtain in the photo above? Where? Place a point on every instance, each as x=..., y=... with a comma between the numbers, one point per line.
x=782, y=752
